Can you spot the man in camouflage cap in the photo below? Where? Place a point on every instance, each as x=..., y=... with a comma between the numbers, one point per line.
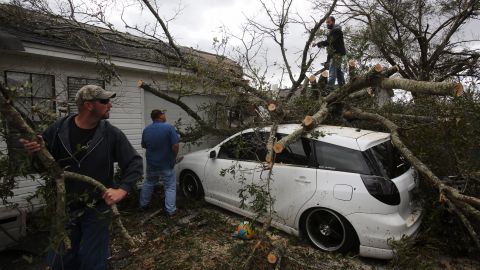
x=90, y=99
x=86, y=144
x=92, y=92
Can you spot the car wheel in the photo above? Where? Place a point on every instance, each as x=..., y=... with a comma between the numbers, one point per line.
x=190, y=185
x=329, y=231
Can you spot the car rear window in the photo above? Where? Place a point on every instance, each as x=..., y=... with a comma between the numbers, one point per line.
x=338, y=158
x=393, y=164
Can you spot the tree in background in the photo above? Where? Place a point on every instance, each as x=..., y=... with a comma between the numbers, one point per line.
x=428, y=40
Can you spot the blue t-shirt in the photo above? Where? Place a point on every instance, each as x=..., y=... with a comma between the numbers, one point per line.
x=158, y=139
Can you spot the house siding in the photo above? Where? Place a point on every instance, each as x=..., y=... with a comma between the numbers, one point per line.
x=126, y=113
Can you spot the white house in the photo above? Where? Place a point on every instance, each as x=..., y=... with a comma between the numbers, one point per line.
x=56, y=67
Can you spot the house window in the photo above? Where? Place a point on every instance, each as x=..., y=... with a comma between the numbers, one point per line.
x=34, y=92
x=34, y=99
x=74, y=84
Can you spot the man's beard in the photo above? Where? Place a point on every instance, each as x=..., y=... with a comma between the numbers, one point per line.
x=101, y=116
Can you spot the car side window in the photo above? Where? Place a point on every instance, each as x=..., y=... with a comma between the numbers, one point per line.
x=248, y=146
x=297, y=153
x=338, y=158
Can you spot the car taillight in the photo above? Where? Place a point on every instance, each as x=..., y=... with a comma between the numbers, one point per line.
x=382, y=189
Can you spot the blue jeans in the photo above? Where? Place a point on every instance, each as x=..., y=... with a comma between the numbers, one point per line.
x=89, y=236
x=169, y=185
x=335, y=72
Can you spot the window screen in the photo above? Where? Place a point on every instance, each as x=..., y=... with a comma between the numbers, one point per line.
x=32, y=91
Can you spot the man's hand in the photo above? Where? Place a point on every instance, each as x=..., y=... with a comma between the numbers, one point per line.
x=114, y=195
x=32, y=146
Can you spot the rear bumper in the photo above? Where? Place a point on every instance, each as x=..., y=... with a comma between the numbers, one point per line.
x=375, y=231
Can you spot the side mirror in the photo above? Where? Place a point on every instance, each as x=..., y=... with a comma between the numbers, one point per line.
x=213, y=154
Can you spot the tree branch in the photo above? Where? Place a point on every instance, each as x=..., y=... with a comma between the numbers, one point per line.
x=165, y=30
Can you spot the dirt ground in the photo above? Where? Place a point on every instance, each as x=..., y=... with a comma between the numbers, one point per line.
x=200, y=237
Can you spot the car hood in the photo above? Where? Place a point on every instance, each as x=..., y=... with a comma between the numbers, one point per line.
x=201, y=153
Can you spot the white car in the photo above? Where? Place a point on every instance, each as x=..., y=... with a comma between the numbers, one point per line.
x=343, y=188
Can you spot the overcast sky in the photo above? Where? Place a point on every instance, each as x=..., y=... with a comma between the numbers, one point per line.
x=199, y=23
x=200, y=20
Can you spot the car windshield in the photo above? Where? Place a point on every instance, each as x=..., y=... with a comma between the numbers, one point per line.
x=393, y=164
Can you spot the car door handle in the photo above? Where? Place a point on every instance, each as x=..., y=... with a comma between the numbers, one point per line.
x=302, y=179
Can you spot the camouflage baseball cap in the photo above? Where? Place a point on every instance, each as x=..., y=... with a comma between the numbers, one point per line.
x=92, y=92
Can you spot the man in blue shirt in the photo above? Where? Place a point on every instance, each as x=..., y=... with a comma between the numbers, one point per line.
x=160, y=139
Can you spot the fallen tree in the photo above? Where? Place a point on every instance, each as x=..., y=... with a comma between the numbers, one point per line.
x=360, y=84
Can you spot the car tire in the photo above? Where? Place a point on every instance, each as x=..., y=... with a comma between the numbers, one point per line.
x=329, y=231
x=191, y=186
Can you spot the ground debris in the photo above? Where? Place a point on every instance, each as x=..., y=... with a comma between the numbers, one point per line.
x=199, y=237
x=187, y=219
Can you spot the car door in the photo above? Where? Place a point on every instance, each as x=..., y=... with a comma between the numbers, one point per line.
x=293, y=179
x=233, y=168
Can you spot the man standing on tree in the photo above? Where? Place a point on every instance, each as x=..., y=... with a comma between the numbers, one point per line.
x=160, y=139
x=335, y=52
x=87, y=144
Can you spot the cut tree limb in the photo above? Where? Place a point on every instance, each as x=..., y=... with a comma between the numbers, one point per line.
x=276, y=254
x=313, y=121
x=307, y=121
x=102, y=188
x=422, y=87
x=371, y=78
x=270, y=144
x=266, y=224
x=272, y=107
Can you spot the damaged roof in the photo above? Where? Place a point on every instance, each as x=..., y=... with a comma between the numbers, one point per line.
x=18, y=25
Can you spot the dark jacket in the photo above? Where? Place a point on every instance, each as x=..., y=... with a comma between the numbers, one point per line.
x=107, y=146
x=334, y=42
